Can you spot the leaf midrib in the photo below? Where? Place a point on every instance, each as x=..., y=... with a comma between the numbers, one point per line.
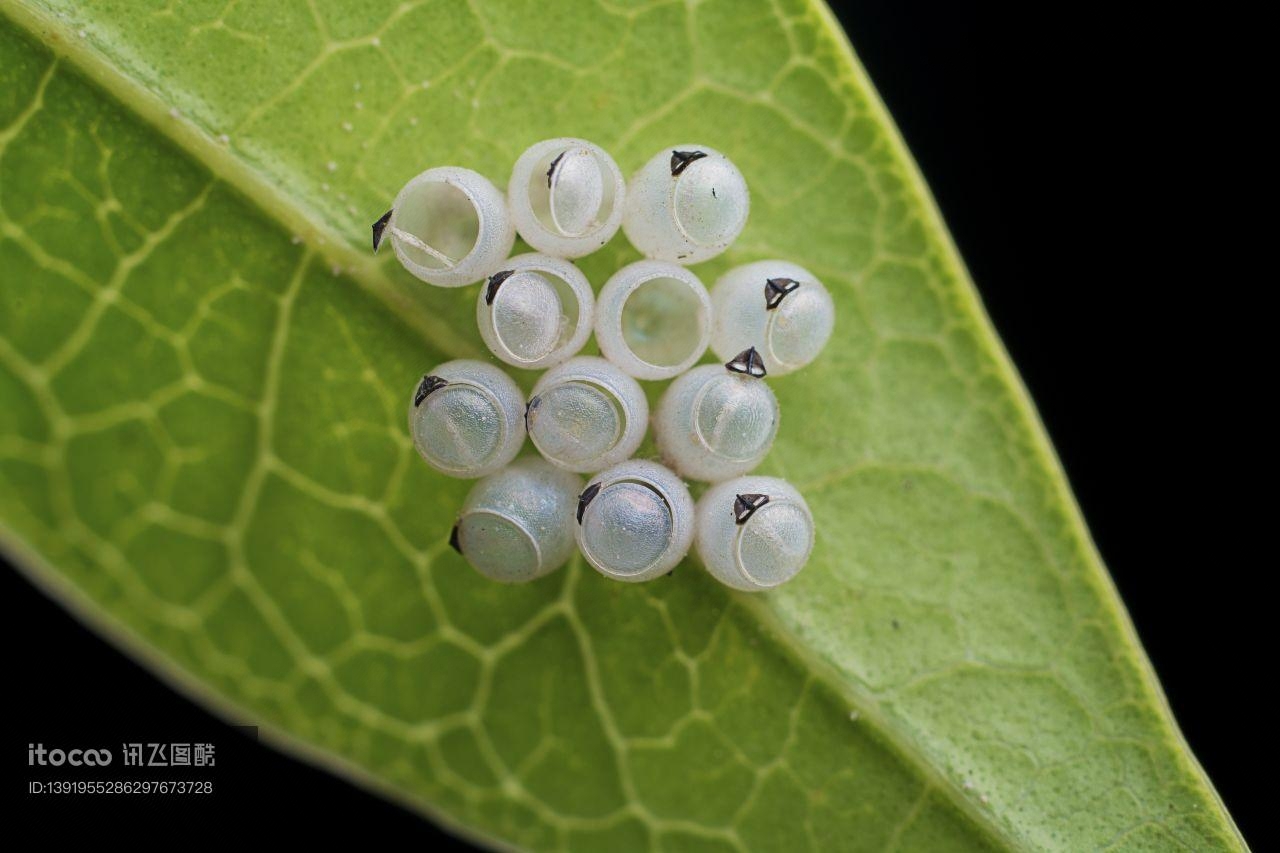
x=308, y=223
x=294, y=216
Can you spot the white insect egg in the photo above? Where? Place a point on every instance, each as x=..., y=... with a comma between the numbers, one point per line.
x=754, y=533
x=653, y=319
x=449, y=226
x=686, y=205
x=717, y=421
x=776, y=306
x=467, y=418
x=566, y=197
x=536, y=311
x=517, y=524
x=635, y=521
x=586, y=415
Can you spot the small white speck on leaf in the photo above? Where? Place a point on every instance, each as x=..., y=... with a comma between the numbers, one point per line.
x=413, y=121
x=173, y=113
x=324, y=188
x=347, y=126
x=295, y=239
x=359, y=105
x=854, y=716
x=376, y=42
x=331, y=166
x=224, y=139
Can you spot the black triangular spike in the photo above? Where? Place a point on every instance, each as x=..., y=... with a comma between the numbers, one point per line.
x=749, y=362
x=379, y=227
x=680, y=160
x=745, y=506
x=453, y=539
x=529, y=407
x=775, y=289
x=495, y=281
x=587, y=497
x=427, y=386
x=552, y=170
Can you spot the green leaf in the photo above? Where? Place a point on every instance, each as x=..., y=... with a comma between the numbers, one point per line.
x=203, y=379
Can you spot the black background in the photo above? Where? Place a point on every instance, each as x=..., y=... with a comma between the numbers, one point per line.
x=1068, y=152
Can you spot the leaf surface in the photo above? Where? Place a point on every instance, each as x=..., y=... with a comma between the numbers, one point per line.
x=203, y=380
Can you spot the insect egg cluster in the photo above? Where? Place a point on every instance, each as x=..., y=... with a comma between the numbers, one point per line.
x=632, y=519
